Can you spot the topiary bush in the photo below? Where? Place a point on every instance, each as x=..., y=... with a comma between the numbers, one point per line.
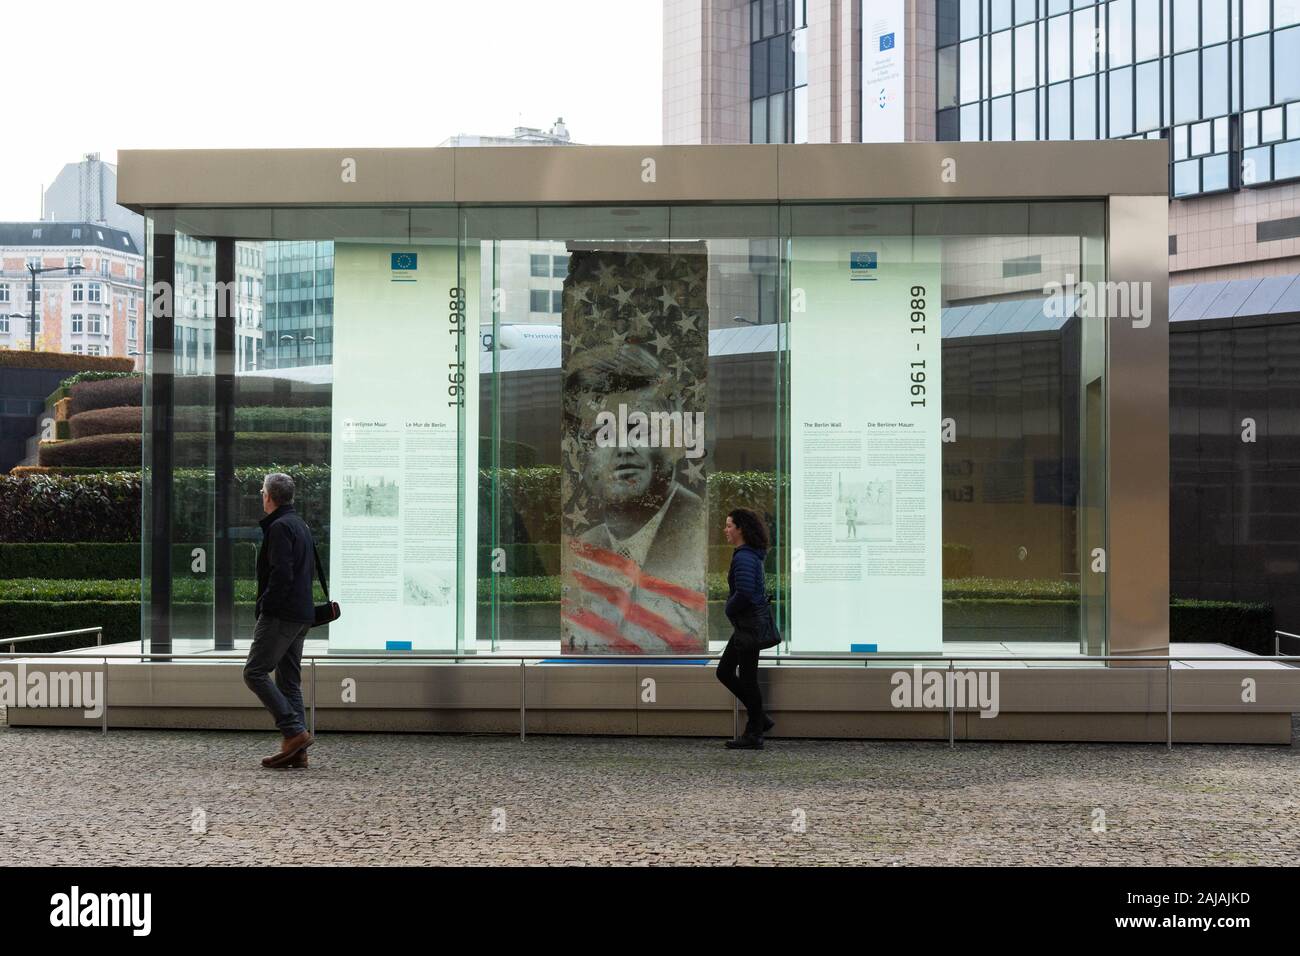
x=94, y=375
x=93, y=450
x=107, y=393
x=123, y=420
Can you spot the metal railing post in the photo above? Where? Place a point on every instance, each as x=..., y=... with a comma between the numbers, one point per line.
x=313, y=695
x=103, y=714
x=523, y=712
x=950, y=690
x=1169, y=704
x=735, y=716
x=99, y=637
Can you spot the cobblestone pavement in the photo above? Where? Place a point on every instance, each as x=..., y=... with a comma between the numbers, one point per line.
x=137, y=797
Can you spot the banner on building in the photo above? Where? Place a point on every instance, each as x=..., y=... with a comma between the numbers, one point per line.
x=883, y=80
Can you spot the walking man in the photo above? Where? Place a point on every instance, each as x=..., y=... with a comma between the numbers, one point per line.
x=285, y=613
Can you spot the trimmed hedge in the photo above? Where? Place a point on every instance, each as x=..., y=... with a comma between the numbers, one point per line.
x=190, y=449
x=107, y=393
x=123, y=420
x=92, y=375
x=100, y=560
x=102, y=507
x=12, y=358
x=119, y=619
x=1243, y=625
x=309, y=420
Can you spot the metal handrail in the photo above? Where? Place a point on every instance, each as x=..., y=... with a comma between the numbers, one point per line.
x=1277, y=639
x=15, y=641
x=1168, y=660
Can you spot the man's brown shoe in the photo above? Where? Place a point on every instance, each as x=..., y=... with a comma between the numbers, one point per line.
x=289, y=748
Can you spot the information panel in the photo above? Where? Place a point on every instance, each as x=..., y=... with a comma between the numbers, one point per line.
x=865, y=453
x=401, y=361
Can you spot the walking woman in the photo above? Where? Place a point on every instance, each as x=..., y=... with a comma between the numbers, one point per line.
x=751, y=617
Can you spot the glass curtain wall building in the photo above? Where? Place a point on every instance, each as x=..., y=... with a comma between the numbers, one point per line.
x=1218, y=79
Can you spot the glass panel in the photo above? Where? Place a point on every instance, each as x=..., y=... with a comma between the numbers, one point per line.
x=1121, y=102
x=1146, y=36
x=1025, y=10
x=1250, y=129
x=799, y=47
x=1148, y=96
x=1085, y=41
x=776, y=132
x=970, y=71
x=1001, y=13
x=970, y=122
x=1120, y=23
x=1256, y=69
x=1214, y=79
x=1270, y=122
x=1027, y=115
x=1287, y=58
x=777, y=64
x=1286, y=160
x=1214, y=21
x=1256, y=166
x=1085, y=108
x=1058, y=111
x=947, y=77
x=1186, y=24
x=1202, y=141
x=1187, y=179
x=758, y=71
x=758, y=121
x=1214, y=173
x=1058, y=49
x=1254, y=16
x=970, y=19
x=1187, y=93
x=801, y=115
x=1285, y=13
x=1002, y=118
x=1001, y=63
x=1026, y=57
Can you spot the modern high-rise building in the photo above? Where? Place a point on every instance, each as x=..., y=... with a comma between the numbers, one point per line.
x=86, y=191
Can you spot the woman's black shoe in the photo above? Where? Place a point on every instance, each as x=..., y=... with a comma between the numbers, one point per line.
x=745, y=742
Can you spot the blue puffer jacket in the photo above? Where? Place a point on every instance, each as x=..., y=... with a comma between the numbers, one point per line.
x=746, y=583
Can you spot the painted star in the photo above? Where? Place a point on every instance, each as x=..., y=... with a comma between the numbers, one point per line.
x=622, y=297
x=650, y=276
x=694, y=471
x=662, y=343
x=669, y=300
x=606, y=273
x=577, y=515
x=641, y=322
x=686, y=323
x=579, y=292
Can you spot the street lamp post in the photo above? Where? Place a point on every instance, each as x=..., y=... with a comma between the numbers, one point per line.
x=36, y=271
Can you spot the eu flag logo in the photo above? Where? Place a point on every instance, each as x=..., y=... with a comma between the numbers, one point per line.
x=403, y=261
x=862, y=266
x=886, y=41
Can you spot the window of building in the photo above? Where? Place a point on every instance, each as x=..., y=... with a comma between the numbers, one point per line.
x=33, y=262
x=1022, y=266
x=95, y=292
x=76, y=349
x=33, y=290
x=559, y=267
x=74, y=262
x=557, y=301
x=78, y=292
x=1256, y=67
x=539, y=300
x=1286, y=56
x=103, y=266
x=94, y=325
x=4, y=291
x=77, y=322
x=4, y=322
x=92, y=349
x=539, y=266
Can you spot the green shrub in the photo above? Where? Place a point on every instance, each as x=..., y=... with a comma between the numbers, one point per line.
x=311, y=420
x=119, y=619
x=95, y=507
x=65, y=361
x=94, y=375
x=190, y=449
x=1244, y=625
x=123, y=420
x=106, y=393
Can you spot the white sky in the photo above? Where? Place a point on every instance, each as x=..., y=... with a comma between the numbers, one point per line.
x=289, y=73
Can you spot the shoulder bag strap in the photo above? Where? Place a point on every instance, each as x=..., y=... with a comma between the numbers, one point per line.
x=320, y=571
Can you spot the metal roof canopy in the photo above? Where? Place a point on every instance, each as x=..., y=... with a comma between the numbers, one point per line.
x=642, y=174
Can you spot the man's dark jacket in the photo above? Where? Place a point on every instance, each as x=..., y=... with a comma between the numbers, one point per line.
x=286, y=564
